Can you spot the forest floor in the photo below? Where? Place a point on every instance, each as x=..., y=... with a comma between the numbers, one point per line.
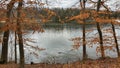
x=100, y=63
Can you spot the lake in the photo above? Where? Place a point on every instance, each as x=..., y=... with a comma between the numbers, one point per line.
x=59, y=47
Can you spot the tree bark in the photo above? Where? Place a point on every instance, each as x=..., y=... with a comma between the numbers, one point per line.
x=84, y=43
x=114, y=34
x=98, y=5
x=115, y=38
x=101, y=40
x=100, y=32
x=82, y=3
x=15, y=48
x=5, y=47
x=6, y=34
x=19, y=32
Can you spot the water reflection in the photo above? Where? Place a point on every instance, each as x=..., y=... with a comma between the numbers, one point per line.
x=56, y=40
x=58, y=46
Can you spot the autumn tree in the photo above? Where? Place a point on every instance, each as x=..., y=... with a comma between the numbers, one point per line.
x=115, y=39
x=19, y=32
x=84, y=36
x=100, y=32
x=114, y=33
x=81, y=19
x=99, y=4
x=82, y=3
x=19, y=21
x=6, y=32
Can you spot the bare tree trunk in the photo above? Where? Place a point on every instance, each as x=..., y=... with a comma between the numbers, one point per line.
x=6, y=34
x=100, y=32
x=114, y=34
x=82, y=3
x=21, y=47
x=98, y=5
x=115, y=38
x=15, y=47
x=84, y=43
x=84, y=36
x=101, y=40
x=5, y=47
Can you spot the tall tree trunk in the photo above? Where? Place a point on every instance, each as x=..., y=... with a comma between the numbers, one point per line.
x=114, y=34
x=115, y=38
x=101, y=40
x=5, y=47
x=100, y=32
x=6, y=33
x=21, y=47
x=15, y=47
x=84, y=43
x=82, y=3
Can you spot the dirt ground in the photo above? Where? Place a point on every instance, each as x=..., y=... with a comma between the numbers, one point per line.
x=101, y=63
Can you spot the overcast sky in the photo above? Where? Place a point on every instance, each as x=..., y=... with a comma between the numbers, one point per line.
x=112, y=4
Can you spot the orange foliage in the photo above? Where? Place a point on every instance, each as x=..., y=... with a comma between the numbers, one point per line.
x=111, y=48
x=46, y=18
x=101, y=20
x=76, y=41
x=80, y=17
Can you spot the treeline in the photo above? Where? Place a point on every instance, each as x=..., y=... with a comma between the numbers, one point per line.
x=61, y=14
x=64, y=14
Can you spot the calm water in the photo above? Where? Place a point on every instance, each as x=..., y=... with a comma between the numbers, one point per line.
x=58, y=46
